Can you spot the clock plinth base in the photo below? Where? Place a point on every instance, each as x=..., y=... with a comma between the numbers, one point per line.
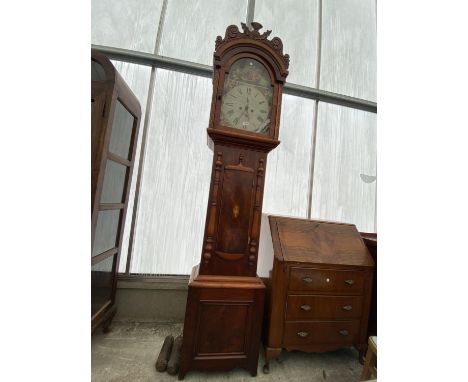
x=223, y=322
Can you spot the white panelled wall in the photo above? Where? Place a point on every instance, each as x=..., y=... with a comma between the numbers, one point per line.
x=349, y=45
x=325, y=165
x=126, y=24
x=344, y=185
x=191, y=27
x=176, y=176
x=288, y=166
x=298, y=32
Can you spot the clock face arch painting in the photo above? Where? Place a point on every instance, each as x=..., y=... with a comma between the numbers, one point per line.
x=247, y=97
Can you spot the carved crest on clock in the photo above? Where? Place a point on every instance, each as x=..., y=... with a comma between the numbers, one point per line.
x=233, y=33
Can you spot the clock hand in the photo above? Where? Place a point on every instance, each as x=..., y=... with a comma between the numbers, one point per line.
x=236, y=119
x=246, y=109
x=246, y=112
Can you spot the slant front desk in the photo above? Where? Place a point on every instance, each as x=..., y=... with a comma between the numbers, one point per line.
x=320, y=288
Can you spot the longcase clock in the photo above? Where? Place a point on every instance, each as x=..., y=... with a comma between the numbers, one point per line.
x=225, y=298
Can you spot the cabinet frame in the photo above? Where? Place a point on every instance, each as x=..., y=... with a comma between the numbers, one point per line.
x=106, y=92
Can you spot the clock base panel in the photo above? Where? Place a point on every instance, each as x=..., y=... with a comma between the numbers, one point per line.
x=222, y=325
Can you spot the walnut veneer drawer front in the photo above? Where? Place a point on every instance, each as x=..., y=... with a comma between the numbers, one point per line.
x=303, y=307
x=321, y=332
x=326, y=280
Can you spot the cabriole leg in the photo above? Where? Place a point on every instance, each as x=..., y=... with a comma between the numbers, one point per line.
x=270, y=353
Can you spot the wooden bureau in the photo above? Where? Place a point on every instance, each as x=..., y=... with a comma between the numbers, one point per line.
x=320, y=290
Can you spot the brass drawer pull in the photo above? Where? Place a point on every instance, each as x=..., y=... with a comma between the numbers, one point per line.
x=307, y=279
x=344, y=332
x=306, y=307
x=349, y=282
x=347, y=307
x=302, y=334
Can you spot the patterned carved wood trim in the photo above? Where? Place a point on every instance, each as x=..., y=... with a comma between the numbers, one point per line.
x=233, y=33
x=208, y=247
x=257, y=211
x=240, y=166
x=232, y=138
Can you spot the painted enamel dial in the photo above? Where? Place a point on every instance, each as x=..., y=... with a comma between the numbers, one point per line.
x=247, y=97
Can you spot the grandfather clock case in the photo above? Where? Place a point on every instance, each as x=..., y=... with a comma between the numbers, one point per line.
x=225, y=296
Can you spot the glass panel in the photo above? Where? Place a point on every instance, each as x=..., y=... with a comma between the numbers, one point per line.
x=176, y=177
x=247, y=97
x=114, y=182
x=105, y=236
x=101, y=283
x=137, y=78
x=122, y=128
x=288, y=166
x=344, y=187
x=190, y=27
x=125, y=24
x=97, y=71
x=298, y=31
x=348, y=62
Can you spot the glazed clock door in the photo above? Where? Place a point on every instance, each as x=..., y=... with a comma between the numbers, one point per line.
x=247, y=97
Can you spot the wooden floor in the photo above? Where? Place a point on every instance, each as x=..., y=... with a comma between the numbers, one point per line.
x=129, y=352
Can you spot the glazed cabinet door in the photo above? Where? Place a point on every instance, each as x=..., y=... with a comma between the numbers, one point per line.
x=115, y=115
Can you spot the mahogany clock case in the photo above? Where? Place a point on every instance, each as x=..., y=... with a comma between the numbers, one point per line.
x=225, y=301
x=115, y=121
x=230, y=244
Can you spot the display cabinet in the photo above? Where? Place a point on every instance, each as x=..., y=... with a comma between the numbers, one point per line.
x=115, y=120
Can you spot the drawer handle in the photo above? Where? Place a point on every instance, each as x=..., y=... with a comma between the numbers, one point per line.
x=349, y=282
x=306, y=307
x=307, y=279
x=344, y=332
x=302, y=334
x=347, y=307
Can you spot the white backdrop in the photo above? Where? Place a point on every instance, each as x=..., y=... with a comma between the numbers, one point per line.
x=332, y=45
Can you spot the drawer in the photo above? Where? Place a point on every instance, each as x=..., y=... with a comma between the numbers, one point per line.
x=320, y=332
x=326, y=280
x=303, y=307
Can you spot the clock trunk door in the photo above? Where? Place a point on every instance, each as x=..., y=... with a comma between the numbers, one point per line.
x=236, y=208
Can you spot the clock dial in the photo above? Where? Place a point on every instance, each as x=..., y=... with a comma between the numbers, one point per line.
x=247, y=97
